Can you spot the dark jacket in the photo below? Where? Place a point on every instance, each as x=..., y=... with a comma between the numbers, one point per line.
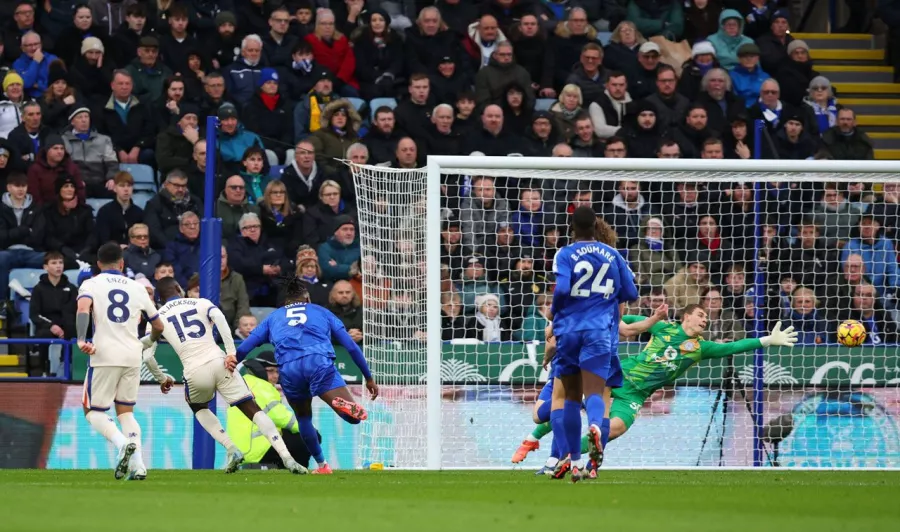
x=302, y=191
x=173, y=150
x=148, y=81
x=535, y=55
x=382, y=148
x=139, y=129
x=275, y=125
x=94, y=83
x=29, y=232
x=285, y=232
x=20, y=141
x=71, y=233
x=500, y=145
x=42, y=178
x=113, y=222
x=184, y=255
x=445, y=90
x=161, y=216
x=691, y=140
x=772, y=52
x=690, y=82
x=437, y=143
x=350, y=316
x=855, y=147
x=141, y=260
x=617, y=56
x=424, y=53
x=55, y=303
x=378, y=67
x=279, y=54
x=247, y=258
x=319, y=224
x=805, y=147
x=68, y=43
x=793, y=78
x=716, y=118
x=493, y=79
x=241, y=79
x=670, y=110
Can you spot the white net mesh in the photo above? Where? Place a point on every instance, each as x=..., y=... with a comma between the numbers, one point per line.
x=826, y=254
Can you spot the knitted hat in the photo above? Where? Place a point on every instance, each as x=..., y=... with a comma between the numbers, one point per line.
x=76, y=110
x=342, y=220
x=63, y=180
x=225, y=17
x=780, y=13
x=227, y=110
x=91, y=43
x=796, y=43
x=266, y=75
x=56, y=72
x=307, y=255
x=52, y=140
x=12, y=77
x=384, y=15
x=703, y=47
x=185, y=109
x=819, y=81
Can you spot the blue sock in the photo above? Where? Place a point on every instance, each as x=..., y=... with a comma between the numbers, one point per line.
x=604, y=432
x=311, y=439
x=595, y=408
x=544, y=412
x=557, y=422
x=554, y=447
x=572, y=428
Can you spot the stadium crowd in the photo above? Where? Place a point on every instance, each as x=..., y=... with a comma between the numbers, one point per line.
x=91, y=91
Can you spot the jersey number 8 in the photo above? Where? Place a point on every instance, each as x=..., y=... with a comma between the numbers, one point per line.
x=598, y=286
x=117, y=312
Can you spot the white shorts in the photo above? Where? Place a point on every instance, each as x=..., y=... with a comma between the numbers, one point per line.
x=105, y=385
x=201, y=384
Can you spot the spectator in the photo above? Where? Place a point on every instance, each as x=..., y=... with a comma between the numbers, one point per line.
x=449, y=80
x=175, y=144
x=167, y=109
x=792, y=142
x=223, y=47
x=518, y=113
x=627, y=211
x=257, y=260
x=878, y=254
x=233, y=298
x=339, y=129
x=441, y=138
x=805, y=318
x=116, y=217
x=500, y=71
x=255, y=181
x=11, y=103
x=589, y=74
x=303, y=24
x=691, y=134
x=807, y=259
x=729, y=38
x=651, y=255
x=880, y=329
x=319, y=224
x=688, y=285
x=738, y=143
x=533, y=52
x=566, y=109
x=701, y=19
x=414, y=113
x=453, y=324
x=453, y=252
x=845, y=141
x=886, y=208
x=231, y=206
x=379, y=57
x=125, y=39
x=70, y=225
x=502, y=250
x=183, y=251
x=664, y=18
x=333, y=51
x=303, y=177
x=234, y=138
x=570, y=39
x=458, y=15
x=721, y=104
x=148, y=72
x=56, y=101
x=543, y=135
x=347, y=306
x=622, y=51
x=214, y=94
x=406, y=155
x=482, y=213
x=490, y=139
x=835, y=215
x=242, y=78
x=68, y=42
x=52, y=309
x=475, y=283
x=820, y=106
x=710, y=246
x=308, y=111
x=197, y=171
x=585, y=143
x=139, y=256
x=165, y=269
x=670, y=105
x=30, y=136
x=52, y=164
x=93, y=153
x=795, y=73
x=770, y=107
x=703, y=59
x=481, y=41
x=339, y=255
x=34, y=65
x=429, y=41
x=747, y=76
x=278, y=44
x=22, y=227
x=91, y=73
x=529, y=220
x=682, y=213
x=128, y=122
x=23, y=23
x=723, y=325
x=303, y=72
x=163, y=211
x=270, y=114
x=537, y=317
x=465, y=107
x=245, y=326
x=487, y=319
x=643, y=82
x=282, y=222
x=609, y=109
x=842, y=287
x=774, y=44
x=309, y=270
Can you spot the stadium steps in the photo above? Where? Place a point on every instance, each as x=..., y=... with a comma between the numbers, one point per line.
x=857, y=73
x=12, y=366
x=885, y=141
x=836, y=41
x=887, y=155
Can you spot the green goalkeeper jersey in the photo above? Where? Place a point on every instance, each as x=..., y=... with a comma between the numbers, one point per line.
x=670, y=353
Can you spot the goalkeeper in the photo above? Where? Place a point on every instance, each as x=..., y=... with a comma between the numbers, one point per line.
x=671, y=351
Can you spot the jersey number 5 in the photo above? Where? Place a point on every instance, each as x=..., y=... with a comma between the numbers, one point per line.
x=186, y=319
x=598, y=286
x=297, y=316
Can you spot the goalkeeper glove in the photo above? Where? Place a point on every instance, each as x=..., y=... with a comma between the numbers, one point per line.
x=780, y=338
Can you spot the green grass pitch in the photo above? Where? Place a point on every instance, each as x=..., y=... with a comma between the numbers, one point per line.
x=477, y=501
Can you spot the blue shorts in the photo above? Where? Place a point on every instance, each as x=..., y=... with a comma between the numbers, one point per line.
x=547, y=391
x=309, y=376
x=614, y=380
x=590, y=350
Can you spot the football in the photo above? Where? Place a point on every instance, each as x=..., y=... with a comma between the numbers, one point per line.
x=851, y=333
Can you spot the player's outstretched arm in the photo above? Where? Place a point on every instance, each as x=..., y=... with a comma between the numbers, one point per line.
x=776, y=338
x=636, y=325
x=780, y=338
x=82, y=320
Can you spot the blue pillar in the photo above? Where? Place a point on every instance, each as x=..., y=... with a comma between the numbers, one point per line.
x=759, y=287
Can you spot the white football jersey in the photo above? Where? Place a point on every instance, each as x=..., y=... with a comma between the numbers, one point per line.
x=117, y=304
x=189, y=329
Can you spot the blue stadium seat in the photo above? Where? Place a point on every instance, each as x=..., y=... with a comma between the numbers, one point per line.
x=261, y=312
x=140, y=198
x=142, y=174
x=275, y=171
x=27, y=277
x=543, y=104
x=381, y=102
x=72, y=276
x=96, y=203
x=357, y=103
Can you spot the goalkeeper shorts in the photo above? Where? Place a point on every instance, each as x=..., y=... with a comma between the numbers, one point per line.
x=626, y=405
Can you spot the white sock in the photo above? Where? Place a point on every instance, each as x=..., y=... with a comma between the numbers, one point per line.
x=132, y=432
x=552, y=461
x=270, y=431
x=531, y=438
x=107, y=428
x=210, y=424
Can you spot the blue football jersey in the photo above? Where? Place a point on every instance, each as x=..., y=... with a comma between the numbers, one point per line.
x=591, y=280
x=297, y=330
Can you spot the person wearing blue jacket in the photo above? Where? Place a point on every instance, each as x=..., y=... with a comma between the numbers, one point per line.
x=34, y=65
x=729, y=38
x=339, y=255
x=747, y=76
x=878, y=253
x=234, y=139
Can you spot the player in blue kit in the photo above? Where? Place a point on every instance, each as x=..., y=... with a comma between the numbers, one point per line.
x=302, y=335
x=592, y=279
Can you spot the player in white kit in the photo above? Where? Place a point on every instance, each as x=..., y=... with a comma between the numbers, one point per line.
x=114, y=372
x=188, y=328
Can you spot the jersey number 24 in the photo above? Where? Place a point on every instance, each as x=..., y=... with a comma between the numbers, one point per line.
x=598, y=285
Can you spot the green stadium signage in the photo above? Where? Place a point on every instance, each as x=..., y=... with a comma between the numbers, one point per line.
x=520, y=363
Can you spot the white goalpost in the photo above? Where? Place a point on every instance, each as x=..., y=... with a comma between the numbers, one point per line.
x=456, y=280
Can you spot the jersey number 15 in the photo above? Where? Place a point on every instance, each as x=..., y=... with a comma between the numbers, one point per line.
x=185, y=322
x=598, y=285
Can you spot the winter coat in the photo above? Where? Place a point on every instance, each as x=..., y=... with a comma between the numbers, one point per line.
x=747, y=83
x=493, y=79
x=161, y=215
x=880, y=259
x=173, y=150
x=478, y=222
x=437, y=143
x=773, y=52
x=184, y=255
x=424, y=52
x=716, y=118
x=231, y=215
x=110, y=16
x=247, y=258
x=445, y=90
x=691, y=80
x=626, y=220
x=68, y=43
x=591, y=89
x=567, y=50
x=343, y=256
x=42, y=178
x=382, y=148
x=113, y=222
x=535, y=55
x=818, y=118
x=671, y=111
x=657, y=17
x=304, y=191
x=727, y=47
x=148, y=81
x=276, y=124
x=378, y=66
x=241, y=79
x=55, y=113
x=484, y=141
x=351, y=316
x=303, y=113
x=319, y=222
x=298, y=82
x=285, y=233
x=34, y=74
x=125, y=43
x=855, y=147
x=233, y=146
x=141, y=260
x=642, y=82
x=56, y=303
x=279, y=54
x=533, y=327
x=794, y=78
x=617, y=56
x=812, y=329
x=71, y=233
x=139, y=129
x=337, y=56
x=27, y=232
x=20, y=141
x=10, y=116
x=233, y=298
x=691, y=140
x=95, y=157
x=475, y=49
x=330, y=144
x=836, y=225
x=701, y=23
x=805, y=147
x=652, y=268
x=412, y=118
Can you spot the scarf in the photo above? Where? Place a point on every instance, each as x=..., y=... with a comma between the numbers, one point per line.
x=315, y=112
x=654, y=244
x=269, y=100
x=340, y=132
x=279, y=218
x=491, y=327
x=712, y=243
x=255, y=189
x=303, y=66
x=569, y=115
x=35, y=142
x=826, y=117
x=310, y=280
x=83, y=136
x=704, y=68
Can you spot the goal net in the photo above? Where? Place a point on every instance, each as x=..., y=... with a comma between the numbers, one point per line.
x=457, y=283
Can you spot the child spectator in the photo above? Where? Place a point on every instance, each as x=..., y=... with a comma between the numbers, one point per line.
x=116, y=217
x=52, y=309
x=246, y=324
x=487, y=319
x=805, y=318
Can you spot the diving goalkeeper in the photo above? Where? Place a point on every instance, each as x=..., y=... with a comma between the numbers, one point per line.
x=671, y=351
